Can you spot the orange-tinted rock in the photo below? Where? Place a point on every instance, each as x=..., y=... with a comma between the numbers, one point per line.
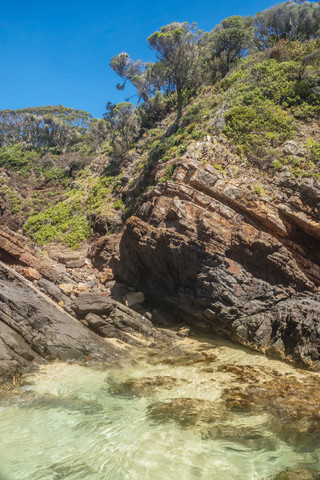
x=31, y=273
x=106, y=275
x=81, y=288
x=66, y=288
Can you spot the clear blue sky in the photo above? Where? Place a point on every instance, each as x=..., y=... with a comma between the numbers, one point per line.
x=58, y=52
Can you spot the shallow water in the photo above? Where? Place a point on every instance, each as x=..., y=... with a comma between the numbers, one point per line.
x=165, y=417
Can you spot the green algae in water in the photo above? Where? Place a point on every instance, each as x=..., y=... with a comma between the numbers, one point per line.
x=156, y=421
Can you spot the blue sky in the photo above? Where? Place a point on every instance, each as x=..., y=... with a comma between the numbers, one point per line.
x=58, y=52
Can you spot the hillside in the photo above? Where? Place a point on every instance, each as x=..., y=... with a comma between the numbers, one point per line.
x=205, y=196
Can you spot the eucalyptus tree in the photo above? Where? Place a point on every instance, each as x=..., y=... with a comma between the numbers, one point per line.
x=226, y=43
x=44, y=127
x=289, y=20
x=123, y=124
x=176, y=47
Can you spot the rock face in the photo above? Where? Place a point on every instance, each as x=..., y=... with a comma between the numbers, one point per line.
x=109, y=318
x=33, y=328
x=246, y=264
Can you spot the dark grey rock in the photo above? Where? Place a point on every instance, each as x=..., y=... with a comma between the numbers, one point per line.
x=33, y=328
x=92, y=303
x=53, y=291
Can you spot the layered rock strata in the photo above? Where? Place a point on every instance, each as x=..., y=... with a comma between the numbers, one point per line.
x=247, y=265
x=42, y=319
x=33, y=329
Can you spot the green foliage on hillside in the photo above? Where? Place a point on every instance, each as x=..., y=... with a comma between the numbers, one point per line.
x=68, y=220
x=51, y=127
x=252, y=81
x=64, y=221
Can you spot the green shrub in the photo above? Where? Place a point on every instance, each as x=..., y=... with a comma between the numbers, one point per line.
x=277, y=165
x=99, y=192
x=118, y=204
x=313, y=149
x=169, y=173
x=65, y=221
x=258, y=127
x=18, y=158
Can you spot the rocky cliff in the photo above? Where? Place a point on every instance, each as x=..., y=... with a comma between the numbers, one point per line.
x=51, y=311
x=215, y=251
x=33, y=329
x=214, y=216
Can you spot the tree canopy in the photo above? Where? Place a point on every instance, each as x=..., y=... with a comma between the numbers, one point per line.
x=46, y=126
x=187, y=58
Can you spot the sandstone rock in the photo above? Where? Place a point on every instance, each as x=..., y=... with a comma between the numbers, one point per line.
x=114, y=320
x=95, y=322
x=31, y=273
x=71, y=260
x=92, y=303
x=216, y=253
x=67, y=288
x=106, y=275
x=52, y=291
x=290, y=148
x=134, y=298
x=81, y=288
x=184, y=332
x=104, y=223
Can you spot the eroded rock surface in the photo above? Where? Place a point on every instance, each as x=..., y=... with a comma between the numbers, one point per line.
x=247, y=265
x=32, y=328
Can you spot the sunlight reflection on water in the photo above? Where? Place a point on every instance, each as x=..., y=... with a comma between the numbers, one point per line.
x=150, y=421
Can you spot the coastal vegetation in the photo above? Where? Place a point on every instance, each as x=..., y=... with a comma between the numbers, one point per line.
x=253, y=81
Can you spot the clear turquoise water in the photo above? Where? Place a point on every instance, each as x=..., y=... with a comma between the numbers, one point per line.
x=75, y=422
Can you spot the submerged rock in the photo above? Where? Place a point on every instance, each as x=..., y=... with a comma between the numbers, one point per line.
x=187, y=412
x=72, y=403
x=296, y=474
x=173, y=355
x=293, y=406
x=245, y=436
x=142, y=386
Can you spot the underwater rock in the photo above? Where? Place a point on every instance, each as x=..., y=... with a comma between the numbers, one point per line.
x=296, y=474
x=187, y=412
x=293, y=406
x=142, y=386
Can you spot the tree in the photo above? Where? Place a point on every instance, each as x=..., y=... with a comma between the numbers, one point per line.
x=98, y=133
x=228, y=42
x=147, y=78
x=124, y=125
x=177, y=49
x=126, y=68
x=289, y=20
x=44, y=127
